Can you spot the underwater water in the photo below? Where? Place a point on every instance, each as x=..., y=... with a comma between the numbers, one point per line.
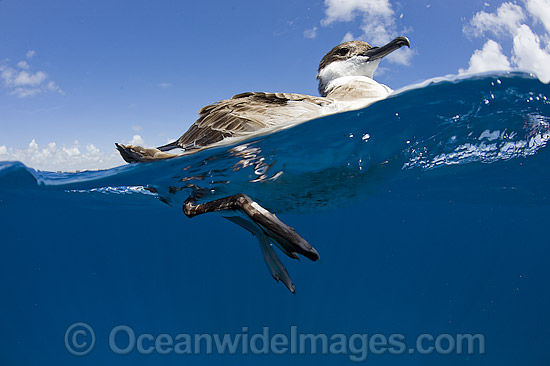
x=429, y=210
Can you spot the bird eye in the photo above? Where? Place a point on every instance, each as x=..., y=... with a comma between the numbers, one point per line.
x=343, y=51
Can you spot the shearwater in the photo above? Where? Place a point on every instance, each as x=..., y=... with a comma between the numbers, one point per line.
x=346, y=83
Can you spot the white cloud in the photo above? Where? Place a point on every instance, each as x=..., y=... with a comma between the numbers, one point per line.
x=487, y=59
x=136, y=128
x=51, y=86
x=527, y=53
x=165, y=85
x=507, y=18
x=378, y=23
x=7, y=74
x=92, y=149
x=311, y=33
x=25, y=78
x=540, y=10
x=65, y=158
x=23, y=65
x=530, y=51
x=137, y=140
x=34, y=146
x=30, y=54
x=71, y=151
x=22, y=82
x=347, y=10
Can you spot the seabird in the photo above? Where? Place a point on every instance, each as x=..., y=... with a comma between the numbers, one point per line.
x=346, y=82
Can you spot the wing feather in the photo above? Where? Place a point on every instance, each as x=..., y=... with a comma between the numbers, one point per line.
x=249, y=112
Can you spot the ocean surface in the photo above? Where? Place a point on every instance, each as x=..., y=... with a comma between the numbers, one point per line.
x=430, y=211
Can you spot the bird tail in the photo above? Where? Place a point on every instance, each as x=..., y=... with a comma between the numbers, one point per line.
x=168, y=147
x=138, y=154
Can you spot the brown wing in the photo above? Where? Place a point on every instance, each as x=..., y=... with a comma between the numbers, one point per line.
x=245, y=113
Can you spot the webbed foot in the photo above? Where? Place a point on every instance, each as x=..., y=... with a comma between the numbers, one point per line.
x=265, y=226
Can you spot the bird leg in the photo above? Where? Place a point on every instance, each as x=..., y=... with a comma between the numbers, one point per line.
x=265, y=226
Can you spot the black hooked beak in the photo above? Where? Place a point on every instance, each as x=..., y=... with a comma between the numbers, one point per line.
x=379, y=52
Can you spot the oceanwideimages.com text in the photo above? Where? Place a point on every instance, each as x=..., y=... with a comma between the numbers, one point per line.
x=122, y=340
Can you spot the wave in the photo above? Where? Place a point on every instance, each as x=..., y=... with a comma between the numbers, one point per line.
x=484, y=133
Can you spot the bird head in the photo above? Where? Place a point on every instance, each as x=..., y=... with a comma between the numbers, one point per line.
x=354, y=58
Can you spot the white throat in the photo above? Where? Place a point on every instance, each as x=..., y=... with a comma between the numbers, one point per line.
x=356, y=66
x=351, y=82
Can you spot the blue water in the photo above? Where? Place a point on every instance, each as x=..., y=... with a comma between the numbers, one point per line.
x=430, y=211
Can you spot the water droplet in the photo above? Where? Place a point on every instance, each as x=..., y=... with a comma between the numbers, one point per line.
x=365, y=137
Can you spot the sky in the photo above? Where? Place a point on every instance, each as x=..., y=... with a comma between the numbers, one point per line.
x=77, y=76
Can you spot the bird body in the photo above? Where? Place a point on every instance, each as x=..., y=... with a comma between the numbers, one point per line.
x=345, y=83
